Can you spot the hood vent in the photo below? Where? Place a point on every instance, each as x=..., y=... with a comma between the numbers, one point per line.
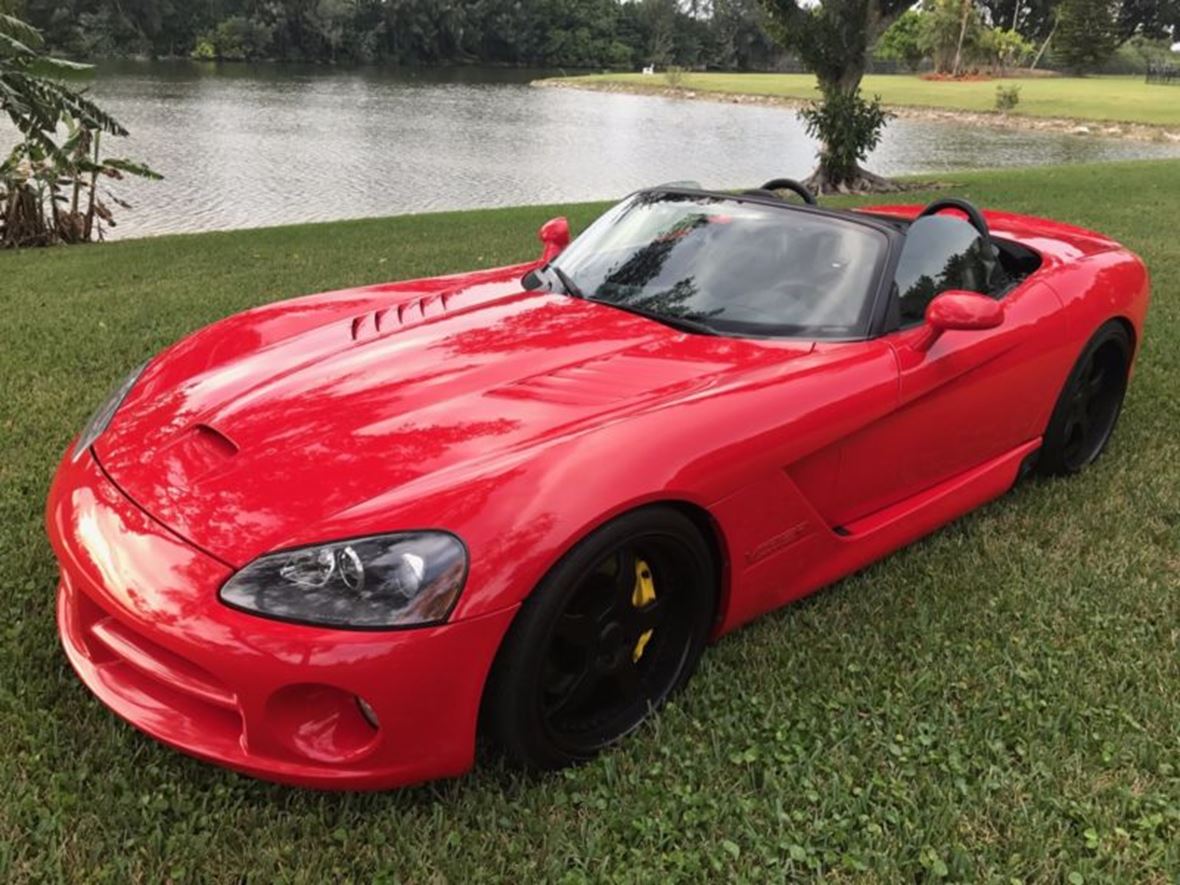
x=400, y=316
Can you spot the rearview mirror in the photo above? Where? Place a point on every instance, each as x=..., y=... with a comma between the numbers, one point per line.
x=958, y=311
x=555, y=234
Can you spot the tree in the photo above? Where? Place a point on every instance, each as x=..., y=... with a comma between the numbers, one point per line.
x=1151, y=19
x=738, y=39
x=952, y=30
x=1004, y=48
x=832, y=38
x=1087, y=33
x=1032, y=19
x=905, y=42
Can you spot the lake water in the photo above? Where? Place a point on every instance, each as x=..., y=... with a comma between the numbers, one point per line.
x=245, y=146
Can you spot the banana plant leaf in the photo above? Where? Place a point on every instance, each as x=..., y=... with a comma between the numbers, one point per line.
x=21, y=31
x=140, y=170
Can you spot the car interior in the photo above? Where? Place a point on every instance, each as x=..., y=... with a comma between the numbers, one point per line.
x=942, y=252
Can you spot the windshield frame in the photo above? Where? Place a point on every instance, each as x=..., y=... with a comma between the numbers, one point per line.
x=877, y=295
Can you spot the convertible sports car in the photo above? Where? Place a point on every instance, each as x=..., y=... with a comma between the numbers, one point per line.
x=330, y=540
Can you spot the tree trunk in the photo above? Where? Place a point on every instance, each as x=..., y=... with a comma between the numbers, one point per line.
x=88, y=225
x=848, y=82
x=958, y=67
x=861, y=182
x=1044, y=46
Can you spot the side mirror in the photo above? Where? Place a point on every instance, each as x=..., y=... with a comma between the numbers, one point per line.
x=555, y=235
x=958, y=311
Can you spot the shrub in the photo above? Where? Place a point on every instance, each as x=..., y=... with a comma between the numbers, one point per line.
x=236, y=39
x=849, y=127
x=205, y=50
x=1007, y=97
x=1003, y=48
x=674, y=76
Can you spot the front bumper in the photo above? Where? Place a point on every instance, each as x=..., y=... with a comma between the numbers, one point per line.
x=139, y=619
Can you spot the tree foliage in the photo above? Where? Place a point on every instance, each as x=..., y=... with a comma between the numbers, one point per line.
x=1087, y=33
x=848, y=128
x=1032, y=19
x=1150, y=19
x=1002, y=48
x=951, y=33
x=1035, y=20
x=940, y=31
x=560, y=33
x=33, y=93
x=905, y=40
x=832, y=37
x=726, y=34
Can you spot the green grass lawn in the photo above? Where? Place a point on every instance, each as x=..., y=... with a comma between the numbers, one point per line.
x=999, y=702
x=1111, y=99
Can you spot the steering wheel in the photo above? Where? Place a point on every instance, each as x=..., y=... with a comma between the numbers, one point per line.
x=789, y=184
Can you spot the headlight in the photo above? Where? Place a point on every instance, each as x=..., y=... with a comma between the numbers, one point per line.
x=384, y=582
x=102, y=417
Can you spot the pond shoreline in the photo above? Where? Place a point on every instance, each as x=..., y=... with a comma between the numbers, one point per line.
x=995, y=120
x=222, y=139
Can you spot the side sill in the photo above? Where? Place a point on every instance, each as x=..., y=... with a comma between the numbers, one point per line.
x=949, y=488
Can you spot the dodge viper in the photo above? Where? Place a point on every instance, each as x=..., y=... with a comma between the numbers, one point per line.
x=332, y=540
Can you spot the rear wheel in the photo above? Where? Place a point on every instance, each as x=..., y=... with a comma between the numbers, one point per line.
x=616, y=627
x=1088, y=408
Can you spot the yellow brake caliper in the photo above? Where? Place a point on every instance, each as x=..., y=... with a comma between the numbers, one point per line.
x=643, y=595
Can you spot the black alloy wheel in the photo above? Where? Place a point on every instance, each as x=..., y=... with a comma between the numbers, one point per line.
x=1088, y=408
x=610, y=633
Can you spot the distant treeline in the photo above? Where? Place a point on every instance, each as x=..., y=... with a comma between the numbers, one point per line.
x=552, y=33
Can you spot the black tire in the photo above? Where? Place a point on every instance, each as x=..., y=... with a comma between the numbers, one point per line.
x=1090, y=403
x=574, y=674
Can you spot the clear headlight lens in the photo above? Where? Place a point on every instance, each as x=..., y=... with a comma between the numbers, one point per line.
x=389, y=581
x=102, y=417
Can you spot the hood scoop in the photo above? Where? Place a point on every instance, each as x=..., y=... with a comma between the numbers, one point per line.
x=400, y=316
x=197, y=453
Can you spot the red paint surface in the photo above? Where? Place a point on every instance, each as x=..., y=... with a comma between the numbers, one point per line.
x=519, y=421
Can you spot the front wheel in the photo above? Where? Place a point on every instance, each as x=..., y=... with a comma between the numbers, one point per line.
x=617, y=626
x=1088, y=408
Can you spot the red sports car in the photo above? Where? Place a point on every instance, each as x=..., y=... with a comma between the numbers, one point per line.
x=329, y=540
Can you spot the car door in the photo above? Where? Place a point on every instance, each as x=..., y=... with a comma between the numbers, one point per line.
x=969, y=397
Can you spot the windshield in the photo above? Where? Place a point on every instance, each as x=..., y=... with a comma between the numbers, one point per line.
x=729, y=266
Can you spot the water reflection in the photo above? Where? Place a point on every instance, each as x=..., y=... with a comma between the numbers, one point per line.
x=244, y=146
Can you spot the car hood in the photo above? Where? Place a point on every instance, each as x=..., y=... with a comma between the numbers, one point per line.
x=247, y=454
